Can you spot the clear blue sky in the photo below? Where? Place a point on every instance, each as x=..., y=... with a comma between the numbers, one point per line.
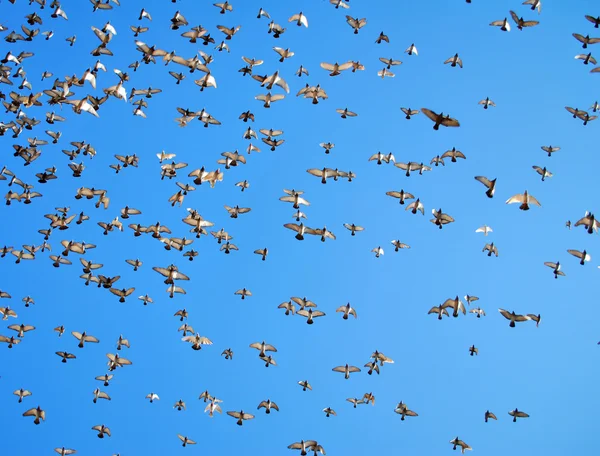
x=549, y=372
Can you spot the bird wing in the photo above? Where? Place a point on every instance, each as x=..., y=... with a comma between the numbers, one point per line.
x=533, y=200
x=449, y=121
x=516, y=199
x=30, y=412
x=432, y=115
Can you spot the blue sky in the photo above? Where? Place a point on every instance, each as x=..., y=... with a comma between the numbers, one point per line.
x=550, y=371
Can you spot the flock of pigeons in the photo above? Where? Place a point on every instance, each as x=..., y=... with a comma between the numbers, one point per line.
x=19, y=96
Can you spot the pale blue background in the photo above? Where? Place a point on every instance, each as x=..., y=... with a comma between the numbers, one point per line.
x=551, y=372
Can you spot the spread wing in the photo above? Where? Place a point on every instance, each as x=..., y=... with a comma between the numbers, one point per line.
x=432, y=115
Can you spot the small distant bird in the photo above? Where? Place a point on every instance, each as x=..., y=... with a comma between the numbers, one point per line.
x=585, y=116
x=262, y=252
x=535, y=4
x=263, y=348
x=516, y=413
x=288, y=306
x=340, y=3
x=471, y=299
x=301, y=71
x=347, y=310
x=304, y=446
x=37, y=413
x=106, y=378
x=329, y=411
x=440, y=219
x=440, y=119
x=185, y=440
x=409, y=112
x=152, y=397
x=550, y=150
x=268, y=360
x=583, y=256
x=399, y=245
x=586, y=40
x=587, y=59
x=243, y=184
x=382, y=37
x=389, y=63
x=100, y=395
x=576, y=112
x=283, y=53
x=241, y=417
x=454, y=60
x=513, y=317
x=65, y=356
x=310, y=315
x=484, y=229
x=213, y=407
x=456, y=305
x=243, y=293
x=383, y=158
x=373, y=366
x=491, y=249
x=21, y=393
x=300, y=19
x=589, y=222
x=346, y=370
x=555, y=267
x=144, y=14
x=378, y=251
x=440, y=310
x=401, y=195
x=489, y=415
x=268, y=405
x=356, y=23
x=369, y=398
x=593, y=20
x=385, y=73
x=456, y=442
x=487, y=102
x=453, y=154
x=542, y=172
x=503, y=24
x=412, y=49
x=305, y=385
x=355, y=401
x=179, y=405
x=536, y=318
x=479, y=312
x=345, y=113
x=353, y=228
x=415, y=206
x=437, y=160
x=525, y=199
x=225, y=6
x=403, y=410
x=521, y=23
x=473, y=350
